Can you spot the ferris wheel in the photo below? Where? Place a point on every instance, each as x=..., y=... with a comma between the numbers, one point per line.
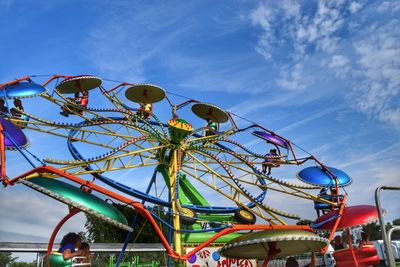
x=211, y=184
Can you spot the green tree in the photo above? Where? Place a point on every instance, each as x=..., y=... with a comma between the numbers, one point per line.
x=100, y=231
x=6, y=258
x=305, y=222
x=373, y=230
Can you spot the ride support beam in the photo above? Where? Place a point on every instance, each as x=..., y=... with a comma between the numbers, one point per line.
x=172, y=172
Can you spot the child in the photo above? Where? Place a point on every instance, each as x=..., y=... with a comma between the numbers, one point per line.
x=271, y=160
x=86, y=253
x=77, y=100
x=145, y=110
x=68, y=244
x=365, y=242
x=3, y=108
x=16, y=113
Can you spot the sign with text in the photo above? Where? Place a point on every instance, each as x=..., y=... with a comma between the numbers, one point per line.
x=209, y=257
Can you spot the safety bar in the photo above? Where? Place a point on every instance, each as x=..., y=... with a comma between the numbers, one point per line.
x=386, y=236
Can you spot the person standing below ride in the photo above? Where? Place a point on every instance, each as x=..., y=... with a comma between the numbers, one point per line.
x=270, y=161
x=365, y=242
x=145, y=110
x=68, y=244
x=3, y=109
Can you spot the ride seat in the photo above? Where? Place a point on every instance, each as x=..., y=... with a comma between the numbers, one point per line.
x=57, y=260
x=325, y=206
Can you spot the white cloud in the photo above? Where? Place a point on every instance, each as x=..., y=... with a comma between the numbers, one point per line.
x=308, y=119
x=379, y=69
x=28, y=212
x=340, y=64
x=291, y=8
x=355, y=6
x=294, y=79
x=388, y=152
x=263, y=17
x=389, y=6
x=123, y=44
x=298, y=29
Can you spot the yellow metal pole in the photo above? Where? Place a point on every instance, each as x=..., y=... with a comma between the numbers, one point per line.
x=173, y=169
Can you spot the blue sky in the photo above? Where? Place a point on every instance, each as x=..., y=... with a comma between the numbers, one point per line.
x=324, y=74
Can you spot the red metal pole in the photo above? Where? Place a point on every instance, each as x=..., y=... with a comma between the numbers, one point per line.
x=3, y=154
x=54, y=234
x=53, y=78
x=119, y=85
x=351, y=246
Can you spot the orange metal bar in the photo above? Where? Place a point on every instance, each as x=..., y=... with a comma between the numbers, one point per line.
x=333, y=230
x=25, y=78
x=54, y=234
x=136, y=205
x=350, y=243
x=141, y=209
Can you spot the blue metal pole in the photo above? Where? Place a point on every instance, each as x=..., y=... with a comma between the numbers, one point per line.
x=134, y=223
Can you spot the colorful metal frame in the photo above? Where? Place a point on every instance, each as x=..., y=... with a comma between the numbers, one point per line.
x=180, y=160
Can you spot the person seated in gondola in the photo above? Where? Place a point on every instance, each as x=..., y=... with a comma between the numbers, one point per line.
x=145, y=110
x=81, y=101
x=212, y=128
x=321, y=206
x=86, y=254
x=17, y=113
x=84, y=99
x=338, y=243
x=68, y=246
x=365, y=242
x=272, y=159
x=3, y=109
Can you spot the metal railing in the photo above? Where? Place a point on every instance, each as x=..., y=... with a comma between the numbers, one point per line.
x=386, y=236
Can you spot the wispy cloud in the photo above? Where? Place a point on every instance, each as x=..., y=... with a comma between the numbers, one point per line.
x=378, y=93
x=309, y=118
x=340, y=64
x=32, y=213
x=301, y=31
x=124, y=44
x=294, y=79
x=375, y=157
x=367, y=62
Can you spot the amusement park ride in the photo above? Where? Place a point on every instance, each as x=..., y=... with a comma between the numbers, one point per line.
x=182, y=165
